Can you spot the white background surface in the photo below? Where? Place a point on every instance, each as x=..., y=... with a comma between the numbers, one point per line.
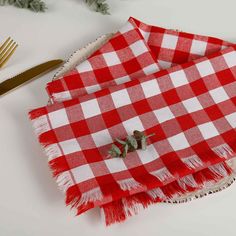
x=30, y=203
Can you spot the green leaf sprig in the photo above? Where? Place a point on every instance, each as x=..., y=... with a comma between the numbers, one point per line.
x=40, y=6
x=132, y=142
x=34, y=5
x=99, y=6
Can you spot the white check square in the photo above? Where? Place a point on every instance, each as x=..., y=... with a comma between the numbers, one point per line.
x=150, y=88
x=198, y=47
x=93, y=88
x=219, y=95
x=111, y=58
x=90, y=108
x=230, y=58
x=208, y=130
x=169, y=41
x=82, y=173
x=121, y=98
x=178, y=142
x=148, y=155
x=127, y=27
x=133, y=124
x=178, y=78
x=164, y=64
x=163, y=114
x=102, y=138
x=58, y=118
x=122, y=80
x=205, y=68
x=84, y=66
x=151, y=69
x=115, y=165
x=231, y=119
x=145, y=34
x=192, y=105
x=70, y=146
x=138, y=48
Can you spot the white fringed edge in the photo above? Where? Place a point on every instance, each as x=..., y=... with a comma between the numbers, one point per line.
x=162, y=174
x=223, y=150
x=219, y=170
x=187, y=181
x=192, y=162
x=64, y=181
x=134, y=209
x=52, y=151
x=40, y=125
x=209, y=187
x=91, y=196
x=156, y=193
x=129, y=184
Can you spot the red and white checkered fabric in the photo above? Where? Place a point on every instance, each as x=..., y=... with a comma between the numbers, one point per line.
x=190, y=108
x=130, y=54
x=124, y=57
x=172, y=47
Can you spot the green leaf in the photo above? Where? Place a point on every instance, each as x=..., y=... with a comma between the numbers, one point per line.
x=39, y=6
x=99, y=6
x=150, y=135
x=114, y=151
x=120, y=141
x=133, y=142
x=125, y=151
x=143, y=143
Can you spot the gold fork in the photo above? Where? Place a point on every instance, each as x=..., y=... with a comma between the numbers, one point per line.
x=6, y=51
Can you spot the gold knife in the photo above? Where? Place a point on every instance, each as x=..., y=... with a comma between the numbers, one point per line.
x=27, y=75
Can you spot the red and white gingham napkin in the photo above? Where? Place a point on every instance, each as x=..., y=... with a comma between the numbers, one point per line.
x=150, y=49
x=190, y=108
x=124, y=57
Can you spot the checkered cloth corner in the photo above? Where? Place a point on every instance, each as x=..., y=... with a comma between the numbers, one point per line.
x=172, y=47
x=137, y=49
x=124, y=57
x=190, y=108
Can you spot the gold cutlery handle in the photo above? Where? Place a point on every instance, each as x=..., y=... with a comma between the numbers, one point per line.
x=27, y=75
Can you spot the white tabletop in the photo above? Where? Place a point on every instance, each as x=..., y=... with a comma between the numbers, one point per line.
x=30, y=203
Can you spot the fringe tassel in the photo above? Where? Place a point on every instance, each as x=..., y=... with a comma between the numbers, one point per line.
x=193, y=162
x=223, y=150
x=40, y=125
x=91, y=196
x=114, y=212
x=118, y=211
x=129, y=184
x=187, y=181
x=163, y=174
x=157, y=193
x=52, y=151
x=122, y=209
x=82, y=202
x=219, y=169
x=64, y=181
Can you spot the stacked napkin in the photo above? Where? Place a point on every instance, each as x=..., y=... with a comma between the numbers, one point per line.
x=179, y=86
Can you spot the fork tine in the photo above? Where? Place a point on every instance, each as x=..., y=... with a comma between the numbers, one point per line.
x=9, y=54
x=4, y=44
x=6, y=50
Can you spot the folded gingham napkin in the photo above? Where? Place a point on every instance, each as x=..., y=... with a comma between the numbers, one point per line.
x=135, y=50
x=189, y=107
x=124, y=57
